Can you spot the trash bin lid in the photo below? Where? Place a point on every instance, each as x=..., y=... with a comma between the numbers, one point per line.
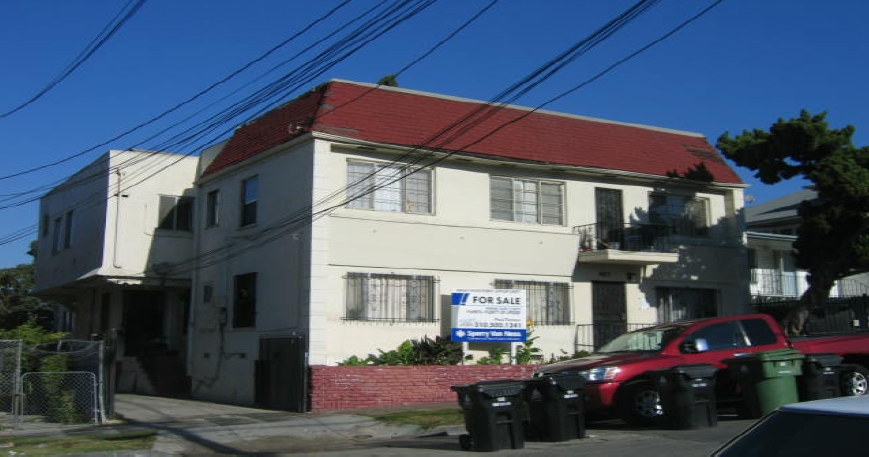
x=824, y=360
x=779, y=354
x=696, y=371
x=498, y=388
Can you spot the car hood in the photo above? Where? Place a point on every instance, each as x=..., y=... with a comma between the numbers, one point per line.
x=597, y=360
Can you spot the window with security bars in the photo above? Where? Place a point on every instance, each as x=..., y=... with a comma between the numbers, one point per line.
x=548, y=302
x=387, y=297
x=685, y=215
x=679, y=304
x=526, y=200
x=388, y=187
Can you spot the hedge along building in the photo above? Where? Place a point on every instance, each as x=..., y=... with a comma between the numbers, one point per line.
x=339, y=223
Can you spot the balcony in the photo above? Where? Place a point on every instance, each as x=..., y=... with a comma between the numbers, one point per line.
x=631, y=244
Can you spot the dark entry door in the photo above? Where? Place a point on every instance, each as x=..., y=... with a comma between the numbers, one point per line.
x=143, y=322
x=609, y=311
x=610, y=218
x=281, y=374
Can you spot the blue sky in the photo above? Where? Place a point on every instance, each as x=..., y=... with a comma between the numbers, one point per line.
x=742, y=65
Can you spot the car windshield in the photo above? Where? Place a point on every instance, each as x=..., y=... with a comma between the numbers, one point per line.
x=650, y=339
x=799, y=434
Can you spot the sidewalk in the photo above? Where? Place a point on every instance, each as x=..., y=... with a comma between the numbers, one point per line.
x=196, y=427
x=190, y=427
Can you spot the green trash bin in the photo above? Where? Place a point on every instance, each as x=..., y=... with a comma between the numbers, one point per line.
x=768, y=379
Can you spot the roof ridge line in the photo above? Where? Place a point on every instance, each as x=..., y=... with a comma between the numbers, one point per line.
x=516, y=107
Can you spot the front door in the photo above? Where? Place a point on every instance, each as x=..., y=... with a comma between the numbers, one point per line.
x=609, y=311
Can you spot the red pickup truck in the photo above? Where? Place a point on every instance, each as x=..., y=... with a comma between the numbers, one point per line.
x=617, y=376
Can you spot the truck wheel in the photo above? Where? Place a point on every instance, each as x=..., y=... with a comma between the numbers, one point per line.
x=640, y=404
x=854, y=380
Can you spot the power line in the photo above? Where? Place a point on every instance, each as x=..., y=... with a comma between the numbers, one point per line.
x=302, y=218
x=183, y=103
x=399, y=12
x=306, y=215
x=120, y=19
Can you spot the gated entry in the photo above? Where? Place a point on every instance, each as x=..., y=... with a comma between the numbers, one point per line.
x=282, y=373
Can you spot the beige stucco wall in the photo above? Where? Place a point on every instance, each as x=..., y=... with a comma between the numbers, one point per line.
x=115, y=211
x=301, y=265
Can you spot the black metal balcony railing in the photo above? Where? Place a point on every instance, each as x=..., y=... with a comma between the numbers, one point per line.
x=629, y=237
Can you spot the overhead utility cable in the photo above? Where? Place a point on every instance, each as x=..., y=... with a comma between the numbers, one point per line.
x=85, y=54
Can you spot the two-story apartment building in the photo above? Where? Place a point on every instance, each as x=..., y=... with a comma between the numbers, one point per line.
x=108, y=238
x=339, y=223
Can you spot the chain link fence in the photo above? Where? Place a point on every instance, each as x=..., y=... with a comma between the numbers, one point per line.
x=10, y=371
x=60, y=383
x=68, y=397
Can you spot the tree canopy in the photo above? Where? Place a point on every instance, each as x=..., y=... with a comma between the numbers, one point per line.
x=17, y=306
x=833, y=240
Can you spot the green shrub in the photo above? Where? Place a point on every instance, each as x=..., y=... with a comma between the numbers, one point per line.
x=427, y=351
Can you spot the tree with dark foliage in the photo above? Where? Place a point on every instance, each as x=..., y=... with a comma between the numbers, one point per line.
x=17, y=306
x=833, y=240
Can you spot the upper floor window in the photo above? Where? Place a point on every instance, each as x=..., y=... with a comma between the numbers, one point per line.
x=244, y=304
x=61, y=232
x=176, y=213
x=685, y=215
x=526, y=200
x=249, y=199
x=57, y=235
x=44, y=225
x=387, y=297
x=388, y=187
x=212, y=206
x=67, y=229
x=548, y=302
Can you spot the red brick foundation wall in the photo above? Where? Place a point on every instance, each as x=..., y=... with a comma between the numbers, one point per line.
x=348, y=387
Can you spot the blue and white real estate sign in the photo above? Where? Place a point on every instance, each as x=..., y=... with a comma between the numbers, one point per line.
x=489, y=315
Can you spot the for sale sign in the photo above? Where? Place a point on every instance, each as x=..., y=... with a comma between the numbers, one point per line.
x=489, y=315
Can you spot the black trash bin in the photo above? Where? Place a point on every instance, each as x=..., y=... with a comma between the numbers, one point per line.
x=555, y=407
x=687, y=396
x=820, y=378
x=493, y=415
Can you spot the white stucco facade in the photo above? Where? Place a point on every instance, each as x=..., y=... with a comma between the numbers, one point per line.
x=101, y=254
x=302, y=258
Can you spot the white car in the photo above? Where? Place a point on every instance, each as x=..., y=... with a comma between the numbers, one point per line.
x=833, y=426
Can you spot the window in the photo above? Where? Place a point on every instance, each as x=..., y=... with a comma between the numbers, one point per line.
x=679, y=304
x=56, y=236
x=385, y=297
x=244, y=304
x=67, y=229
x=44, y=225
x=176, y=213
x=685, y=215
x=249, y=199
x=388, y=187
x=525, y=200
x=721, y=336
x=548, y=302
x=758, y=332
x=212, y=205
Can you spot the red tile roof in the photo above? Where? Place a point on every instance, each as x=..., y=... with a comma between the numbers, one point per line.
x=409, y=118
